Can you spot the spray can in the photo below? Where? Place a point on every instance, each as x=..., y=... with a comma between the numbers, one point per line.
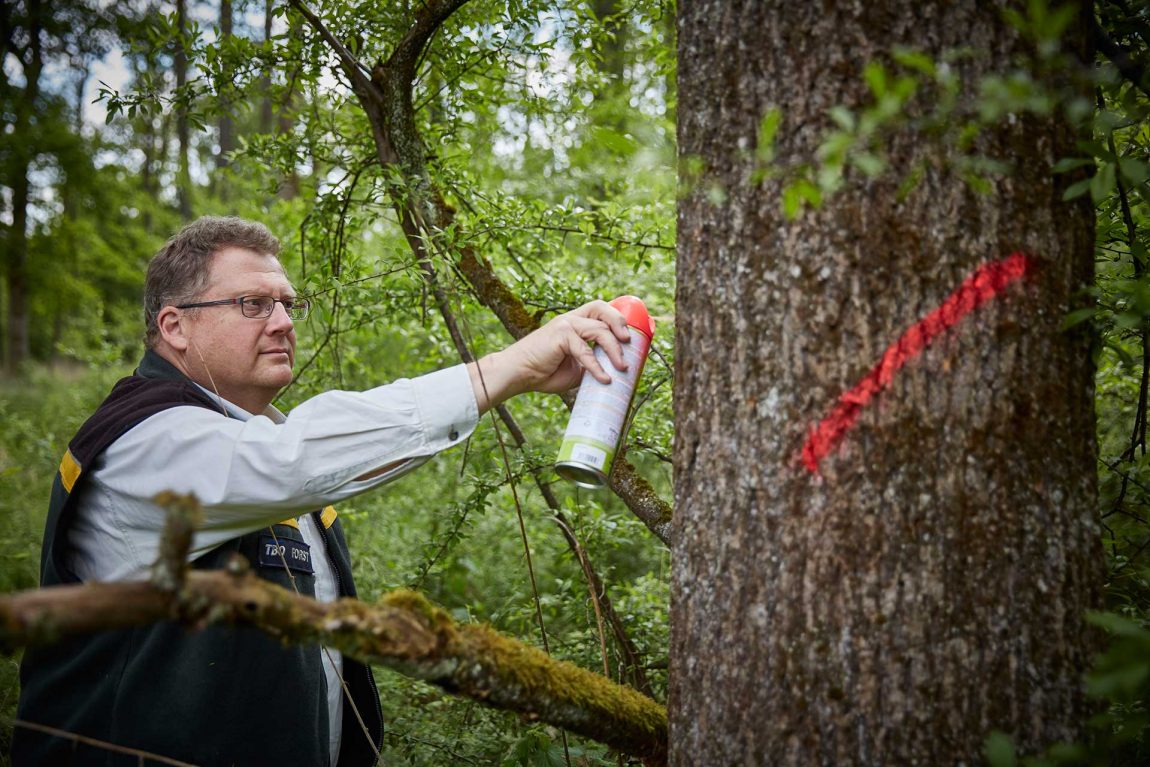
x=599, y=417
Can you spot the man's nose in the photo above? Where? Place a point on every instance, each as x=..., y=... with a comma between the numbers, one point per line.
x=279, y=321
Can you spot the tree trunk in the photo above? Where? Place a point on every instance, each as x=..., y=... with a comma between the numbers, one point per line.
x=266, y=80
x=17, y=279
x=885, y=458
x=613, y=45
x=23, y=154
x=226, y=123
x=183, y=133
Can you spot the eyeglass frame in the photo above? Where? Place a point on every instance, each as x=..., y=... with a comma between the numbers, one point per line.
x=289, y=305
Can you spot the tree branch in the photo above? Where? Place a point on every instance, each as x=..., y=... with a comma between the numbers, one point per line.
x=403, y=632
x=364, y=89
x=427, y=21
x=355, y=70
x=600, y=599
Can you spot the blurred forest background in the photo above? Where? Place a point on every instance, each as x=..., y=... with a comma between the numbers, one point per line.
x=550, y=129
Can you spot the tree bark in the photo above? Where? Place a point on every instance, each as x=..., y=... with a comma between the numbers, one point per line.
x=885, y=460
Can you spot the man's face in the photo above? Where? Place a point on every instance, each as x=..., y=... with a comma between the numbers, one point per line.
x=246, y=360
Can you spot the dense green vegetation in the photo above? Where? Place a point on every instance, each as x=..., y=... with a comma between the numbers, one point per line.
x=550, y=126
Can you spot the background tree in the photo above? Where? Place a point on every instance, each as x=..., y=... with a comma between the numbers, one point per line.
x=885, y=513
x=29, y=52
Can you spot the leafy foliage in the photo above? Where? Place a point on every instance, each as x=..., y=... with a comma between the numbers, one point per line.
x=556, y=178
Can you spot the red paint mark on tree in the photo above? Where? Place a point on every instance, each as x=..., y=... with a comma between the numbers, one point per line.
x=984, y=284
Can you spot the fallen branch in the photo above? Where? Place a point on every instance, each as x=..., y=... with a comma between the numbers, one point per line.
x=403, y=632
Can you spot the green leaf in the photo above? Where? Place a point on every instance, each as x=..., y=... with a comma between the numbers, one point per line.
x=1077, y=189
x=1121, y=680
x=1103, y=182
x=1000, y=750
x=716, y=195
x=617, y=142
x=768, y=129
x=1118, y=625
x=792, y=200
x=798, y=192
x=870, y=164
x=842, y=117
x=916, y=60
x=830, y=177
x=1067, y=753
x=833, y=150
x=875, y=77
x=1133, y=171
x=1070, y=163
x=912, y=179
x=904, y=88
x=1078, y=316
x=1123, y=355
x=1092, y=148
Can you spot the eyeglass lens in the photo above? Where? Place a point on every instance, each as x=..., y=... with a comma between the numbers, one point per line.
x=258, y=307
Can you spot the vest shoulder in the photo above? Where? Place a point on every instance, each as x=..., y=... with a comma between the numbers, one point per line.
x=131, y=401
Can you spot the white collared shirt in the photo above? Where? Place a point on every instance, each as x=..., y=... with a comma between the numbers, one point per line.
x=250, y=471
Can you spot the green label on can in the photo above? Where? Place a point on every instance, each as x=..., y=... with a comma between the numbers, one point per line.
x=589, y=452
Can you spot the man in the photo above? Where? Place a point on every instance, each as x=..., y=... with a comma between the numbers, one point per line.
x=196, y=417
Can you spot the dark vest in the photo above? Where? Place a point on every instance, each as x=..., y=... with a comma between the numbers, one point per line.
x=224, y=695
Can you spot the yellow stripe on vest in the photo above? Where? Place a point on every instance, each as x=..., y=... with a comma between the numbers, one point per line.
x=69, y=471
x=327, y=517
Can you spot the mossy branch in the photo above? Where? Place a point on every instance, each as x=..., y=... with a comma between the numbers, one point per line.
x=403, y=632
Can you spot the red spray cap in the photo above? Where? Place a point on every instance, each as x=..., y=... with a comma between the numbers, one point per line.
x=635, y=312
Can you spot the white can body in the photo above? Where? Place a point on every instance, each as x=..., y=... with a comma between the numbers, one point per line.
x=599, y=417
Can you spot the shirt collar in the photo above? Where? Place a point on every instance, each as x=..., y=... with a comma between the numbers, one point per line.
x=237, y=412
x=155, y=366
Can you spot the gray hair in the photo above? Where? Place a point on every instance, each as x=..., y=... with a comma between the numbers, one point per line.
x=180, y=271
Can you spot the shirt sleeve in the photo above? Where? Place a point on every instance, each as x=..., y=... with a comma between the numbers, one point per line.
x=248, y=474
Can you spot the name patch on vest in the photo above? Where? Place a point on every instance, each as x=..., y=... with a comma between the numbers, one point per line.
x=274, y=553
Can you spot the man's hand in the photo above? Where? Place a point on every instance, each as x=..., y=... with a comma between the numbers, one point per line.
x=553, y=358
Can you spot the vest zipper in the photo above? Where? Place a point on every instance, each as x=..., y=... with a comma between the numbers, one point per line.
x=336, y=567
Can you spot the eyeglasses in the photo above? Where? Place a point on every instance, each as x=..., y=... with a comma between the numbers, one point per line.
x=259, y=307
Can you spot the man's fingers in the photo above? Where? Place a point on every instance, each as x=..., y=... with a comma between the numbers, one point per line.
x=601, y=310
x=598, y=332
x=587, y=360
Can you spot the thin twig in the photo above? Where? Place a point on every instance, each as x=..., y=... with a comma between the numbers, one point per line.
x=87, y=741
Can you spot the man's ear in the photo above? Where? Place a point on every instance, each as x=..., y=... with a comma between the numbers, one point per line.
x=172, y=330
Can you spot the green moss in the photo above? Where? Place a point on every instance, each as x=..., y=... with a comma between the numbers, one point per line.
x=433, y=617
x=549, y=679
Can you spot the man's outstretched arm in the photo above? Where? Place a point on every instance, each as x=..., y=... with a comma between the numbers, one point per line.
x=553, y=358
